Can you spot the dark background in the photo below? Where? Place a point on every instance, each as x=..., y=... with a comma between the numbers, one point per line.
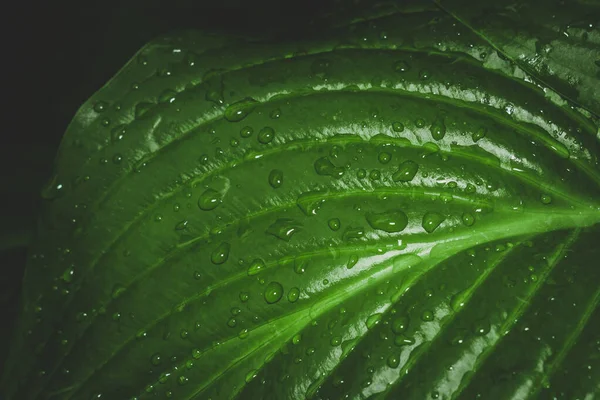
x=55, y=55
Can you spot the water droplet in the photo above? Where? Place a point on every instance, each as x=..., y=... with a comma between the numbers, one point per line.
x=427, y=316
x=244, y=296
x=100, y=106
x=251, y=375
x=468, y=219
x=353, y=233
x=431, y=220
x=276, y=178
x=155, y=359
x=479, y=134
x=335, y=341
x=361, y=173
x=232, y=322
x=352, y=261
x=142, y=109
x=375, y=175
x=384, y=157
x=293, y=295
x=403, y=340
x=221, y=253
x=184, y=334
x=400, y=324
x=209, y=200
x=424, y=74
x=256, y=266
x=546, y=199
x=180, y=225
x=438, y=129
x=393, y=361
x=420, y=123
x=196, y=354
x=310, y=202
x=266, y=135
x=67, y=275
x=398, y=126
x=276, y=113
x=167, y=96
x=310, y=351
x=284, y=228
x=300, y=265
x=334, y=224
x=481, y=327
x=273, y=292
x=373, y=320
x=239, y=110
x=117, y=291
x=458, y=301
x=389, y=221
x=406, y=171
x=401, y=66
x=324, y=166
x=246, y=132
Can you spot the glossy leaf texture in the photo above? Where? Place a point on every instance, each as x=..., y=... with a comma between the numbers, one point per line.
x=394, y=211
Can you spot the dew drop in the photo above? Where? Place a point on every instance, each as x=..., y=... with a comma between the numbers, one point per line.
x=400, y=325
x=244, y=296
x=479, y=134
x=457, y=301
x=406, y=171
x=251, y=375
x=420, y=123
x=401, y=66
x=220, y=254
x=100, y=106
x=310, y=202
x=239, y=110
x=431, y=220
x=117, y=291
x=427, y=316
x=142, y=109
x=256, y=266
x=384, y=157
x=209, y=200
x=403, y=340
x=293, y=294
x=334, y=224
x=276, y=178
x=273, y=292
x=284, y=228
x=373, y=320
x=424, y=74
x=352, y=261
x=438, y=129
x=375, y=175
x=398, y=126
x=335, y=341
x=324, y=167
x=246, y=132
x=266, y=135
x=388, y=221
x=393, y=361
x=353, y=233
x=468, y=219
x=155, y=359
x=276, y=113
x=481, y=327
x=546, y=199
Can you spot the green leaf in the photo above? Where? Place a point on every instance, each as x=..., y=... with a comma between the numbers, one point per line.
x=393, y=211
